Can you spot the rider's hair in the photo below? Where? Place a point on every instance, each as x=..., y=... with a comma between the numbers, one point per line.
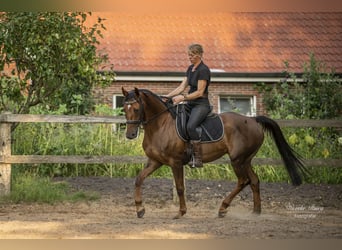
x=196, y=49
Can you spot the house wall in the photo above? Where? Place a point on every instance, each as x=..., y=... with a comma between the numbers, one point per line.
x=105, y=95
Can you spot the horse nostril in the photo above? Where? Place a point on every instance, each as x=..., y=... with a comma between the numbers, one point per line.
x=131, y=135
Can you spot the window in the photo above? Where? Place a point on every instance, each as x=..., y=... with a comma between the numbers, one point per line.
x=118, y=101
x=245, y=105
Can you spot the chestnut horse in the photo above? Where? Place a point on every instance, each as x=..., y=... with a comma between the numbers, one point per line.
x=242, y=138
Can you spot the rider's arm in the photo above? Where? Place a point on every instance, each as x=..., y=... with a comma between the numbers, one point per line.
x=179, y=89
x=201, y=84
x=196, y=94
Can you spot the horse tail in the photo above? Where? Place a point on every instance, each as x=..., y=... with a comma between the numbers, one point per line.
x=291, y=159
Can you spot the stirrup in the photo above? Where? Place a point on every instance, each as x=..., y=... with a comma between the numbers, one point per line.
x=191, y=163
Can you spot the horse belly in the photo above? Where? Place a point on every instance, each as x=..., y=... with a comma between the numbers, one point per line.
x=213, y=151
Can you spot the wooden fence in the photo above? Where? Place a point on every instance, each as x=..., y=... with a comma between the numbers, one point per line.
x=6, y=158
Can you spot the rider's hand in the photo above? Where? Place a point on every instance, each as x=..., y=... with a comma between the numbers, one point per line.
x=165, y=98
x=178, y=98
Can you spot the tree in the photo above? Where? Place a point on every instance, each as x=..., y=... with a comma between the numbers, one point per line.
x=318, y=96
x=52, y=59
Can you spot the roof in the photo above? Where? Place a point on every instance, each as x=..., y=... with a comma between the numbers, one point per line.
x=247, y=42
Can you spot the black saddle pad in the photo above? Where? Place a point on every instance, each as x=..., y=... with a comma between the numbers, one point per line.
x=211, y=128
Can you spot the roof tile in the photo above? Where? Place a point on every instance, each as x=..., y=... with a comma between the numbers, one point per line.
x=233, y=42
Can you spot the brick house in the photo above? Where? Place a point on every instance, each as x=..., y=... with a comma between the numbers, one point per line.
x=241, y=49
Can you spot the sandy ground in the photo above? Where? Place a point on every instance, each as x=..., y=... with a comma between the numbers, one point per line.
x=305, y=212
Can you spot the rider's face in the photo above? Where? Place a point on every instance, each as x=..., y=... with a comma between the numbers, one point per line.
x=194, y=58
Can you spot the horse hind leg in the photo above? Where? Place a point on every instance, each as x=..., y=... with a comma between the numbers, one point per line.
x=246, y=176
x=255, y=186
x=243, y=180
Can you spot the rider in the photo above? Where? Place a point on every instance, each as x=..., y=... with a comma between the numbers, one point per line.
x=198, y=78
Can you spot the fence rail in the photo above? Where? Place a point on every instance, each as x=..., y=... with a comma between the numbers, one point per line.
x=6, y=158
x=13, y=118
x=102, y=159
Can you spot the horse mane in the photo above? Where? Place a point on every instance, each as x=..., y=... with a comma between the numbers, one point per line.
x=147, y=91
x=131, y=94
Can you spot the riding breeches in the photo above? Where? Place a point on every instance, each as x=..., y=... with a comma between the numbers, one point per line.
x=198, y=113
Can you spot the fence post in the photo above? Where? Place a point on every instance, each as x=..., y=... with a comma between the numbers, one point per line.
x=5, y=151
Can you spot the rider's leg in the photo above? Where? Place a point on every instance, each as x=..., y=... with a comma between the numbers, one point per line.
x=197, y=116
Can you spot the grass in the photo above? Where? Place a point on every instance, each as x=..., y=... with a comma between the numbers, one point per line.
x=26, y=188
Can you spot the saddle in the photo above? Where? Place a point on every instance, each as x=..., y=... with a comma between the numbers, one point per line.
x=211, y=130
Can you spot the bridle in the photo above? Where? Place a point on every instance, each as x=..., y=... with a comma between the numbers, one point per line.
x=142, y=120
x=141, y=112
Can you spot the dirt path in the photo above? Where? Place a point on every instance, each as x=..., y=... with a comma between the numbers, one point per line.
x=308, y=211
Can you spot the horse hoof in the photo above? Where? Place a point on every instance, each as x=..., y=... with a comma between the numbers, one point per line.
x=179, y=215
x=222, y=214
x=256, y=212
x=141, y=213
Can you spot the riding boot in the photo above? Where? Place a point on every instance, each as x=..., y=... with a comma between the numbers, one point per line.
x=197, y=154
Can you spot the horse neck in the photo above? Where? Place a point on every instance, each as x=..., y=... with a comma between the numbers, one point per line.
x=154, y=108
x=156, y=114
x=157, y=130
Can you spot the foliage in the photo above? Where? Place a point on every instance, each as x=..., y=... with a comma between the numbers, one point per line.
x=75, y=139
x=317, y=97
x=52, y=60
x=103, y=139
x=310, y=143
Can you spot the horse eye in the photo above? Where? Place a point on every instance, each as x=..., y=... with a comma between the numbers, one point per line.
x=136, y=110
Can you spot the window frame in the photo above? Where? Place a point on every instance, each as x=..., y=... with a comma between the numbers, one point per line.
x=251, y=98
x=115, y=104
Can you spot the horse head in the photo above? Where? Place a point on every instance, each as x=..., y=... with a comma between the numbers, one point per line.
x=142, y=107
x=134, y=113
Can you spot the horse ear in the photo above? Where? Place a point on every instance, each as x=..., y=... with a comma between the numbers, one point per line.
x=124, y=92
x=137, y=93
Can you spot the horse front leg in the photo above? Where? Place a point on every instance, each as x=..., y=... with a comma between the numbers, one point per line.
x=178, y=174
x=150, y=167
